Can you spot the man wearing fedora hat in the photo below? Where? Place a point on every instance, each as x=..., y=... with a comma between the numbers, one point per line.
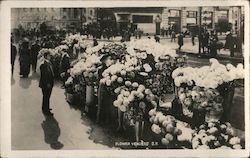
x=46, y=83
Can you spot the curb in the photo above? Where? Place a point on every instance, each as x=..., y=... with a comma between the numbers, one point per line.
x=222, y=57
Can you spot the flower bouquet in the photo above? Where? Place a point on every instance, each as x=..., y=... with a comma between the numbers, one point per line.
x=165, y=128
x=75, y=91
x=216, y=135
x=201, y=91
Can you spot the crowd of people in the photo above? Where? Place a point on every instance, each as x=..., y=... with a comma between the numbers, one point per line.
x=28, y=45
x=30, y=41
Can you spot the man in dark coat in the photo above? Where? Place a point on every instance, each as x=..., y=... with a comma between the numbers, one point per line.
x=230, y=43
x=13, y=55
x=46, y=82
x=24, y=58
x=180, y=40
x=35, y=48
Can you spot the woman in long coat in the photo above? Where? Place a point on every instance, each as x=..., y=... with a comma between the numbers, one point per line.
x=24, y=59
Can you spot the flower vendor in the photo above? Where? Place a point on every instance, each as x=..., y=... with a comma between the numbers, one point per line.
x=104, y=100
x=65, y=65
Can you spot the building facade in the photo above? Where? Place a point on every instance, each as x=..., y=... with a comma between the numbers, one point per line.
x=149, y=19
x=214, y=18
x=54, y=18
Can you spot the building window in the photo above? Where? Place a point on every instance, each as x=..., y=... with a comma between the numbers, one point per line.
x=91, y=12
x=207, y=18
x=142, y=19
x=64, y=9
x=191, y=14
x=174, y=13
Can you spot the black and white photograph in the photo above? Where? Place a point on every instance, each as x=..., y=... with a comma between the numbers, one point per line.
x=128, y=78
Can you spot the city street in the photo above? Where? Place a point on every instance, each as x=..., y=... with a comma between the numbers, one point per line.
x=27, y=118
x=68, y=127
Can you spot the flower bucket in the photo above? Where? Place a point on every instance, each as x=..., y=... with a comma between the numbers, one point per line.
x=89, y=97
x=69, y=97
x=227, y=92
x=74, y=99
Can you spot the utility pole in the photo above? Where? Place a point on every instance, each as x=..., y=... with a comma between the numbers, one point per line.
x=239, y=31
x=199, y=36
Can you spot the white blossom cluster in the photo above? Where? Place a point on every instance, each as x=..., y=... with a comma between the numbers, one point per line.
x=208, y=76
x=88, y=67
x=149, y=46
x=203, y=99
x=132, y=91
x=69, y=39
x=164, y=125
x=215, y=135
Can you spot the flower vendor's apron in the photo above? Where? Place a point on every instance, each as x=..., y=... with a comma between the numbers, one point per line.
x=106, y=110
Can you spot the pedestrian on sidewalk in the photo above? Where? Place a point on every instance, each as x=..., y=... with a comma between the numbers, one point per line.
x=13, y=55
x=173, y=36
x=46, y=83
x=24, y=58
x=230, y=43
x=157, y=39
x=213, y=45
x=205, y=41
x=95, y=43
x=35, y=48
x=140, y=33
x=193, y=38
x=180, y=40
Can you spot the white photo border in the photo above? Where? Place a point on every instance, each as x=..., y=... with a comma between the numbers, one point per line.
x=5, y=81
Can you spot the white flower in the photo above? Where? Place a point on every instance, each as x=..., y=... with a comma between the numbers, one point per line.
x=117, y=90
x=108, y=82
x=203, y=147
x=195, y=144
x=169, y=137
x=135, y=84
x=152, y=112
x=128, y=83
x=164, y=141
x=143, y=73
x=126, y=93
x=156, y=129
x=122, y=108
x=224, y=147
x=237, y=146
x=119, y=80
x=148, y=91
x=147, y=67
x=116, y=103
x=234, y=140
x=123, y=72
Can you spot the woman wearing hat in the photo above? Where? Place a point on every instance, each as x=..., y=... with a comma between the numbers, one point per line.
x=24, y=58
x=104, y=98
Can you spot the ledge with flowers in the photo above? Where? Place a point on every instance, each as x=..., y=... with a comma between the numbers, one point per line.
x=144, y=88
